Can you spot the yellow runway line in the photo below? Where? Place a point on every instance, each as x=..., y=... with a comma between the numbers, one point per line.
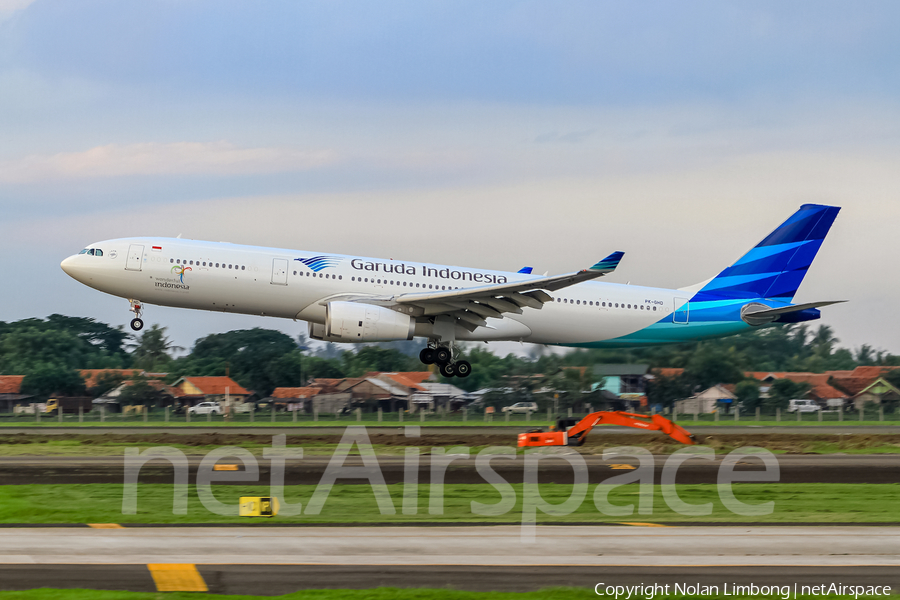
x=645, y=524
x=105, y=526
x=177, y=578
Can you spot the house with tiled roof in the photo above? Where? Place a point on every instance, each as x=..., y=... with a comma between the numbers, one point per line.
x=11, y=392
x=190, y=390
x=880, y=392
x=92, y=377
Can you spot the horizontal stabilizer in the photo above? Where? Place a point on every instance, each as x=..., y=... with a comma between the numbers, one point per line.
x=760, y=314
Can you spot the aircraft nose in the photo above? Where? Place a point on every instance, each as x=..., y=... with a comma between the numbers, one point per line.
x=68, y=265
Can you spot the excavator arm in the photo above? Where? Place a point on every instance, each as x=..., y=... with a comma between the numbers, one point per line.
x=575, y=435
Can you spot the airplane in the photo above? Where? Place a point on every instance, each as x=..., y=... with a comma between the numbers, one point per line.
x=355, y=299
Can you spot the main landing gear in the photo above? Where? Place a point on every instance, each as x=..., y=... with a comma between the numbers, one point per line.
x=442, y=356
x=136, y=323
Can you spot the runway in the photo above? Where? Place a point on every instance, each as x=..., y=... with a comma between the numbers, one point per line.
x=279, y=559
x=833, y=468
x=500, y=545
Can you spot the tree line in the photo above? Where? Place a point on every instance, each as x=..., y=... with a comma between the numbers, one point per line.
x=49, y=352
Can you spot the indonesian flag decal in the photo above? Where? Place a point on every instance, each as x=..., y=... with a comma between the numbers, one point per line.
x=156, y=248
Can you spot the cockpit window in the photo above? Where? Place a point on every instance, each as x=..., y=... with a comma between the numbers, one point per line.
x=83, y=251
x=98, y=252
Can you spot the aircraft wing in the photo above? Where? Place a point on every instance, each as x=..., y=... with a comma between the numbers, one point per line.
x=471, y=306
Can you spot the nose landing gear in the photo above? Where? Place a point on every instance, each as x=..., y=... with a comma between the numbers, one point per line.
x=442, y=355
x=136, y=323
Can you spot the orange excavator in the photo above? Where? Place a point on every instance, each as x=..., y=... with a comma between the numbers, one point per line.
x=571, y=432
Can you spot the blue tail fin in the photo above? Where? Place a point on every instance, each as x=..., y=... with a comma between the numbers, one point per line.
x=777, y=265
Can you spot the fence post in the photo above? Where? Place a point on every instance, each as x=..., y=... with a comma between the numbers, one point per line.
x=422, y=415
x=674, y=413
x=294, y=418
x=273, y=413
x=81, y=414
x=37, y=413
x=757, y=413
x=167, y=414
x=862, y=412
x=820, y=414
x=527, y=415
x=59, y=414
x=841, y=412
x=209, y=416
x=358, y=414
x=881, y=412
x=400, y=412
x=315, y=414
x=778, y=414
x=252, y=412
x=506, y=416
x=737, y=413
x=146, y=413
x=102, y=413
x=570, y=412
x=379, y=414
x=696, y=414
x=716, y=417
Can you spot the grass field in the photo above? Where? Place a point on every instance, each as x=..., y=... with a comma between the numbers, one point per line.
x=794, y=503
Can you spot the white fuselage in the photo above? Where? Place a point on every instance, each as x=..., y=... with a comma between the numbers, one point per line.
x=275, y=282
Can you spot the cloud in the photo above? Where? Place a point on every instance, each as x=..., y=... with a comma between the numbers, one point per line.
x=8, y=7
x=181, y=158
x=572, y=137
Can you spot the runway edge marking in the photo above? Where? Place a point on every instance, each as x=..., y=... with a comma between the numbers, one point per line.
x=177, y=578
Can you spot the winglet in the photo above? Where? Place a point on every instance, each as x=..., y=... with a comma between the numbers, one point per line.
x=608, y=264
x=525, y=270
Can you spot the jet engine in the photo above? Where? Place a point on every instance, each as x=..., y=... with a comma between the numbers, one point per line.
x=357, y=322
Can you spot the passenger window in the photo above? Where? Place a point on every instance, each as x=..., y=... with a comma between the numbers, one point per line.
x=217, y=265
x=295, y=272
x=340, y=277
x=243, y=267
x=171, y=260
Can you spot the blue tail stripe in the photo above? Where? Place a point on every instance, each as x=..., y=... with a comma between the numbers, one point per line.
x=776, y=266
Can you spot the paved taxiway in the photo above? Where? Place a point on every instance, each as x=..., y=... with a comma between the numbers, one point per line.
x=828, y=468
x=276, y=560
x=512, y=429
x=501, y=545
x=283, y=579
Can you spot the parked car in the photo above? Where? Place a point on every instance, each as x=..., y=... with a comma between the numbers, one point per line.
x=803, y=406
x=521, y=407
x=205, y=408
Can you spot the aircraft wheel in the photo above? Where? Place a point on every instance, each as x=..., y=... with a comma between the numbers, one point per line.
x=448, y=370
x=137, y=324
x=427, y=356
x=442, y=356
x=463, y=368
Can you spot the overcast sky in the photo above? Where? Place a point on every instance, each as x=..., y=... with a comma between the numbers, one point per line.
x=489, y=134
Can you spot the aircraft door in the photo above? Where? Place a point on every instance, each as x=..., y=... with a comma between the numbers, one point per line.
x=135, y=257
x=682, y=308
x=279, y=271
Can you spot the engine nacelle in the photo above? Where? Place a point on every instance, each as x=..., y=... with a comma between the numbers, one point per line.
x=357, y=322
